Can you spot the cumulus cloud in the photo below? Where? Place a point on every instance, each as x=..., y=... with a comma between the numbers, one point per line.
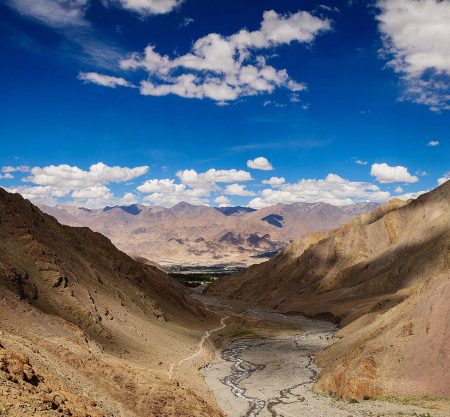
x=194, y=187
x=71, y=177
x=104, y=80
x=97, y=196
x=6, y=175
x=274, y=181
x=388, y=174
x=224, y=68
x=416, y=37
x=167, y=193
x=398, y=189
x=20, y=168
x=433, y=143
x=222, y=201
x=260, y=163
x=56, y=183
x=146, y=7
x=443, y=179
x=238, y=189
x=208, y=180
x=277, y=29
x=413, y=195
x=157, y=186
x=38, y=195
x=333, y=189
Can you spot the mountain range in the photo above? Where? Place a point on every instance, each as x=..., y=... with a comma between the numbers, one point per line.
x=189, y=234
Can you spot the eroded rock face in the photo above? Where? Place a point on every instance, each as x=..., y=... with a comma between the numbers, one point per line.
x=23, y=392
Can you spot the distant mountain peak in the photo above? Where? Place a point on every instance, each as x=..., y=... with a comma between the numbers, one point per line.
x=234, y=211
x=133, y=209
x=183, y=204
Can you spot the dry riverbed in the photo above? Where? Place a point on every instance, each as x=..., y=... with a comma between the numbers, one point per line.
x=273, y=376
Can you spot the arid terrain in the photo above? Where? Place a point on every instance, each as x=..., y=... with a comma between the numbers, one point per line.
x=269, y=370
x=86, y=330
x=187, y=234
x=384, y=277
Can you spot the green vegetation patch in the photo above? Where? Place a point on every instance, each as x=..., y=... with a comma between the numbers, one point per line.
x=241, y=332
x=427, y=402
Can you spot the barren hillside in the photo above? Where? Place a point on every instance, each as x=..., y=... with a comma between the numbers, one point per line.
x=85, y=329
x=386, y=277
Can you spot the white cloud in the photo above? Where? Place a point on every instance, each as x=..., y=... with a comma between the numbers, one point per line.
x=167, y=193
x=72, y=178
x=103, y=80
x=224, y=68
x=277, y=29
x=421, y=173
x=416, y=37
x=94, y=192
x=20, y=168
x=260, y=163
x=398, y=189
x=38, y=195
x=71, y=13
x=222, y=201
x=433, y=143
x=329, y=8
x=274, y=181
x=147, y=7
x=186, y=22
x=332, y=189
x=161, y=186
x=238, y=189
x=97, y=196
x=443, y=179
x=55, y=13
x=413, y=195
x=388, y=174
x=360, y=162
x=76, y=186
x=208, y=180
x=194, y=187
x=6, y=175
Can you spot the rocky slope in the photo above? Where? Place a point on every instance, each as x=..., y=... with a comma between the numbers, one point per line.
x=385, y=276
x=200, y=235
x=85, y=329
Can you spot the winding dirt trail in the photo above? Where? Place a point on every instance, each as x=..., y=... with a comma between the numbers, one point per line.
x=200, y=347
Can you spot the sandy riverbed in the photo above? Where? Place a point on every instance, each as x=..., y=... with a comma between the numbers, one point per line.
x=273, y=377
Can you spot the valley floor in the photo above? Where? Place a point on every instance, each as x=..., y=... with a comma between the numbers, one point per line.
x=269, y=371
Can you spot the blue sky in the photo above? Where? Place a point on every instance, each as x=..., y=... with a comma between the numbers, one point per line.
x=344, y=101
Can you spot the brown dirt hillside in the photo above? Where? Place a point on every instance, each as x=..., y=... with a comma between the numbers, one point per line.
x=85, y=329
x=386, y=277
